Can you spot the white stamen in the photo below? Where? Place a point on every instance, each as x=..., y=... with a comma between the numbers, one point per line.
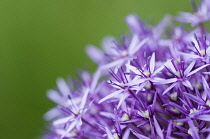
x=190, y=131
x=208, y=103
x=178, y=74
x=177, y=61
x=147, y=73
x=202, y=52
x=124, y=53
x=180, y=123
x=193, y=110
x=197, y=85
x=74, y=133
x=125, y=117
x=169, y=74
x=148, y=86
x=149, y=97
x=145, y=114
x=116, y=136
x=175, y=110
x=173, y=96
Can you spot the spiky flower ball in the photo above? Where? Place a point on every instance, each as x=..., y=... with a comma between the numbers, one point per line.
x=151, y=84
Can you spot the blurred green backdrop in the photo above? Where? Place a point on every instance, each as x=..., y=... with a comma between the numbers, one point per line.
x=41, y=40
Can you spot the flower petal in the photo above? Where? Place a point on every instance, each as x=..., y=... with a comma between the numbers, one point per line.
x=169, y=88
x=140, y=136
x=107, y=114
x=180, y=108
x=63, y=87
x=132, y=68
x=109, y=133
x=135, y=49
x=157, y=80
x=55, y=96
x=63, y=120
x=187, y=84
x=152, y=63
x=126, y=134
x=158, y=129
x=122, y=99
x=100, y=70
x=196, y=70
x=134, y=24
x=71, y=126
x=95, y=54
x=158, y=70
x=193, y=130
x=141, y=86
x=205, y=84
x=136, y=81
x=204, y=117
x=189, y=68
x=168, y=134
x=187, y=55
x=170, y=65
x=111, y=95
x=194, y=98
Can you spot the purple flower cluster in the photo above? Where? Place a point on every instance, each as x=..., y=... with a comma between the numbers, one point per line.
x=151, y=84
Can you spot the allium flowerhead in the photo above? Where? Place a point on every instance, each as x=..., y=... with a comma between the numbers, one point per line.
x=151, y=84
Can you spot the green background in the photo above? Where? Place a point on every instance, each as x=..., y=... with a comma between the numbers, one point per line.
x=41, y=40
